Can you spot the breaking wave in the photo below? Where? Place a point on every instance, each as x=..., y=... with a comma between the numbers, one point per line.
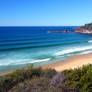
x=90, y=41
x=24, y=61
x=72, y=50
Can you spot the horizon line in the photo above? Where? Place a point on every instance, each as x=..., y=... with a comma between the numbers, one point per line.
x=41, y=26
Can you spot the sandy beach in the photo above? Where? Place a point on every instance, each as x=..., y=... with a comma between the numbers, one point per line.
x=71, y=63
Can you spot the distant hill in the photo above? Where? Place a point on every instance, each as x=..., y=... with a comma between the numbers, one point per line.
x=88, y=26
x=86, y=29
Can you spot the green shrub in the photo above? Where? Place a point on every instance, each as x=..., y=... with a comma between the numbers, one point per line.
x=37, y=80
x=34, y=85
x=48, y=73
x=10, y=80
x=79, y=79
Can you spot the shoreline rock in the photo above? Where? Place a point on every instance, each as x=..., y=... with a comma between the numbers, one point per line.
x=82, y=30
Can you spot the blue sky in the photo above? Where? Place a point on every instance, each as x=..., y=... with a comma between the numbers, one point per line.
x=45, y=12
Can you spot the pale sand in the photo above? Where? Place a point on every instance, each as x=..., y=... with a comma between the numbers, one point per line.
x=71, y=63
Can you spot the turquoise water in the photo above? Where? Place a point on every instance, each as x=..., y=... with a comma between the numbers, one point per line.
x=20, y=46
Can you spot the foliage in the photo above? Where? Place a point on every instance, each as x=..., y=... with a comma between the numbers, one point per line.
x=48, y=80
x=19, y=76
x=49, y=73
x=79, y=79
x=87, y=26
x=10, y=80
x=35, y=85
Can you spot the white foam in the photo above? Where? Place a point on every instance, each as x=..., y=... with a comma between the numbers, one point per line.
x=86, y=52
x=74, y=49
x=24, y=61
x=31, y=61
x=4, y=62
x=40, y=60
x=90, y=41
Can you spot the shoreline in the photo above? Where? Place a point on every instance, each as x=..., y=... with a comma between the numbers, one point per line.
x=71, y=63
x=80, y=32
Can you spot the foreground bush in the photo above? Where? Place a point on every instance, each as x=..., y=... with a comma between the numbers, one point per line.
x=78, y=80
x=35, y=85
x=19, y=76
x=38, y=80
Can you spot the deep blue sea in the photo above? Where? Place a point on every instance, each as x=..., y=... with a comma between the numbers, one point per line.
x=20, y=46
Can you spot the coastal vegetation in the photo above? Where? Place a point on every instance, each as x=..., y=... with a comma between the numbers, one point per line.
x=88, y=26
x=86, y=29
x=48, y=80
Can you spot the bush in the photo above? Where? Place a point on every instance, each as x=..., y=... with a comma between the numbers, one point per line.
x=78, y=80
x=10, y=80
x=35, y=85
x=48, y=73
x=38, y=80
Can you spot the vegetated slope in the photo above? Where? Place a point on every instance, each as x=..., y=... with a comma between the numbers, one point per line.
x=38, y=80
x=88, y=26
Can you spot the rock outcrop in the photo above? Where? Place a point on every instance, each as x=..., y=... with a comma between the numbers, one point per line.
x=87, y=29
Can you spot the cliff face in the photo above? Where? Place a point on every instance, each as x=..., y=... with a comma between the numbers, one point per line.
x=87, y=28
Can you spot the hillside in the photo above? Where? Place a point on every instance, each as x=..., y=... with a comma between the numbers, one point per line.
x=86, y=29
x=88, y=26
x=38, y=80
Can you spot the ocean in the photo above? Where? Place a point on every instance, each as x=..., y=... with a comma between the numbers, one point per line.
x=21, y=46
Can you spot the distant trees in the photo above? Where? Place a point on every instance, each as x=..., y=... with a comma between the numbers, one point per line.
x=87, y=26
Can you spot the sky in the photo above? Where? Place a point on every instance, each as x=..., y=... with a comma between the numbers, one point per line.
x=45, y=12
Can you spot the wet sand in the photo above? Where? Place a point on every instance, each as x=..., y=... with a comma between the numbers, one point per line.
x=71, y=63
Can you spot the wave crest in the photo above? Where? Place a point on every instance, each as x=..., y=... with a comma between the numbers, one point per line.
x=75, y=49
x=90, y=41
x=24, y=61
